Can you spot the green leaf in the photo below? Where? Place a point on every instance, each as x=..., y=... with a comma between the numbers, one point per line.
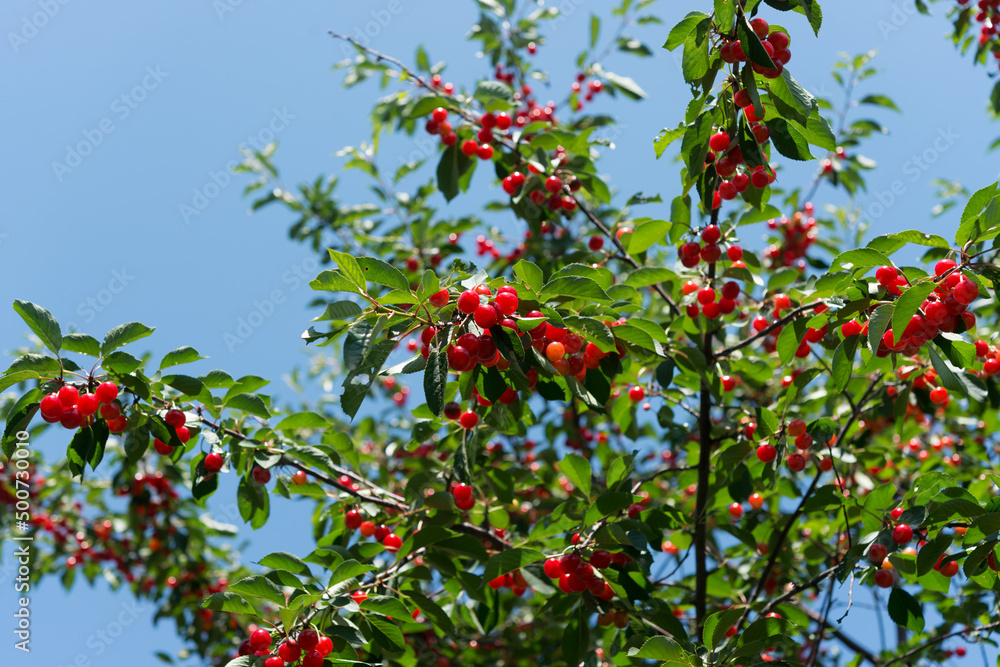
x=387, y=606
x=182, y=355
x=349, y=267
x=665, y=138
x=258, y=586
x=449, y=170
x=725, y=15
x=529, y=274
x=509, y=561
x=579, y=287
x=579, y=472
x=387, y=634
x=124, y=334
x=679, y=33
x=973, y=208
x=81, y=343
x=879, y=101
x=843, y=362
x=595, y=30
x=137, y=442
x=662, y=648
x=17, y=421
x=718, y=623
x=648, y=234
x=80, y=449
x=905, y=610
x=382, y=273
x=436, y=379
x=859, y=258
x=333, y=281
x=491, y=92
x=42, y=324
x=340, y=310
x=249, y=403
x=907, y=306
x=623, y=83
x=949, y=379
x=788, y=139
x=121, y=363
x=302, y=420
x=229, y=602
x=929, y=554
x=789, y=91
x=349, y=569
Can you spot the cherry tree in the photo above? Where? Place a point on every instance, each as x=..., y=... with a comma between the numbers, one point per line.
x=622, y=435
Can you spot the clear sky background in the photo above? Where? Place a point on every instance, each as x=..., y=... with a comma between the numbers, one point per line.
x=104, y=240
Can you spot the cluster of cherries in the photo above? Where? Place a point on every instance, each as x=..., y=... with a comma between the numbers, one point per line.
x=776, y=45
x=706, y=299
x=798, y=233
x=693, y=252
x=74, y=410
x=515, y=581
x=942, y=310
x=382, y=533
x=728, y=157
x=591, y=88
x=178, y=419
x=576, y=575
x=988, y=17
x=795, y=430
x=309, y=647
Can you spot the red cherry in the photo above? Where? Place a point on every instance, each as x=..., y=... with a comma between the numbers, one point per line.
x=711, y=234
x=308, y=639
x=470, y=147
x=71, y=418
x=68, y=395
x=392, y=542
x=756, y=501
x=106, y=392
x=51, y=407
x=553, y=570
x=485, y=152
x=939, y=395
x=796, y=462
x=312, y=659
x=175, y=418
x=553, y=184
x=850, y=328
x=183, y=434
x=883, y=578
x=719, y=142
x=736, y=511
x=213, y=462
x=767, y=452
x=468, y=302
x=943, y=266
x=87, y=404
x=760, y=27
x=325, y=646
x=352, y=519
x=274, y=661
x=636, y=394
x=877, y=553
x=261, y=475
x=260, y=640
x=485, y=316
x=469, y=419
x=461, y=492
x=902, y=533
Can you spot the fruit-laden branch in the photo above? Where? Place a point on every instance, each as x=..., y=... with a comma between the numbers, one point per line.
x=779, y=543
x=704, y=468
x=792, y=314
x=658, y=288
x=995, y=625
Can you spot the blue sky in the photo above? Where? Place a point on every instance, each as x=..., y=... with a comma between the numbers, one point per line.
x=164, y=94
